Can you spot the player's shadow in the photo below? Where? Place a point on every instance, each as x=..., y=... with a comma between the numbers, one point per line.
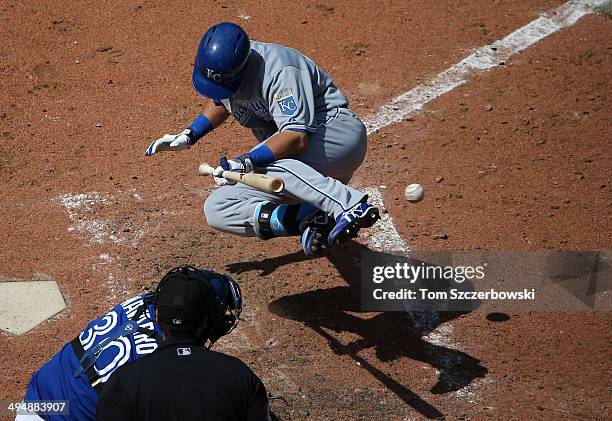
x=266, y=266
x=391, y=334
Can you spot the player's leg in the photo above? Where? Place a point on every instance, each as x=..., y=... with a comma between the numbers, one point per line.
x=337, y=149
x=244, y=211
x=316, y=178
x=231, y=209
x=306, y=184
x=302, y=208
x=319, y=175
x=331, y=196
x=334, y=152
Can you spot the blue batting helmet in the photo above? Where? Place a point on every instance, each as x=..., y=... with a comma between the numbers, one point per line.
x=219, y=64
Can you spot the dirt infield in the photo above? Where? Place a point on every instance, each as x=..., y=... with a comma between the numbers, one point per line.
x=513, y=160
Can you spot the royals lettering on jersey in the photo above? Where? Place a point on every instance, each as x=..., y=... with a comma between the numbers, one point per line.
x=243, y=110
x=56, y=380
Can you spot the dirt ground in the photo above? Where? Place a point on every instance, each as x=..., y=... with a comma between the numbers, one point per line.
x=513, y=160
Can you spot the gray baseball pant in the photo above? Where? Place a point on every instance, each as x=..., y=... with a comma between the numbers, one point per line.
x=318, y=176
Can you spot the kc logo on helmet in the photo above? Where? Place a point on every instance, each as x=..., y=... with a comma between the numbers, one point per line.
x=215, y=77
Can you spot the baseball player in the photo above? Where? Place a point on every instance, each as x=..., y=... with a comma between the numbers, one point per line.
x=307, y=136
x=128, y=332
x=182, y=380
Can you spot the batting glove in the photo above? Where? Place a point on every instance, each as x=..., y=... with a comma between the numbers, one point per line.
x=241, y=164
x=170, y=142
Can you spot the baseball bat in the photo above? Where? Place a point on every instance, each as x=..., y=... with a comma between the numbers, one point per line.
x=262, y=182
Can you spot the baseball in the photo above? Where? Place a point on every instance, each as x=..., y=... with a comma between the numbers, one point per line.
x=414, y=192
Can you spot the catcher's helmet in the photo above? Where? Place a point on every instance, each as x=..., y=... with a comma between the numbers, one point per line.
x=188, y=298
x=219, y=64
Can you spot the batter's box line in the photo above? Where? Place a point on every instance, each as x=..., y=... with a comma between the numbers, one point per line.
x=482, y=59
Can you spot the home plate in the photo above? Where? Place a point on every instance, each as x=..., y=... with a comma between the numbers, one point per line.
x=26, y=304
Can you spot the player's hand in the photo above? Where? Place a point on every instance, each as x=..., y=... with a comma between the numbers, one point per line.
x=170, y=142
x=242, y=164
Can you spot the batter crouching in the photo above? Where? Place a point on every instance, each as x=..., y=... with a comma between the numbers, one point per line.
x=307, y=136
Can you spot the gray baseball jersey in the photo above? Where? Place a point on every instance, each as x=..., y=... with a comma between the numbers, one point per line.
x=284, y=90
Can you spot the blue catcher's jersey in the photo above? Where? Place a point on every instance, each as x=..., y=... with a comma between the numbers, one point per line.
x=58, y=380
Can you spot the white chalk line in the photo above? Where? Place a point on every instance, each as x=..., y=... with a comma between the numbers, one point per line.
x=482, y=59
x=385, y=237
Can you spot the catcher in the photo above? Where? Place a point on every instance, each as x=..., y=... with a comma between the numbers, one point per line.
x=307, y=136
x=182, y=380
x=79, y=371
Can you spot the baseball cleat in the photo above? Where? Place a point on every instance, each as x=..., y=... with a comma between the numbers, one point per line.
x=313, y=241
x=348, y=223
x=314, y=234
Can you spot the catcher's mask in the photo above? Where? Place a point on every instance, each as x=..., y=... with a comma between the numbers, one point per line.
x=188, y=300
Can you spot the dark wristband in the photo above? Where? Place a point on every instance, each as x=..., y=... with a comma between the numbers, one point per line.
x=261, y=156
x=200, y=127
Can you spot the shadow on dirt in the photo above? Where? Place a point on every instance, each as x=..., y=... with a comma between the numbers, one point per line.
x=392, y=334
x=266, y=266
